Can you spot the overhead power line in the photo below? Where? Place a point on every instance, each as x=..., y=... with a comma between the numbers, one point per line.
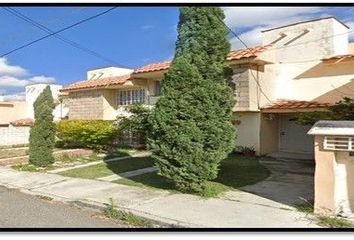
x=70, y=42
x=254, y=78
x=243, y=43
x=250, y=50
x=56, y=32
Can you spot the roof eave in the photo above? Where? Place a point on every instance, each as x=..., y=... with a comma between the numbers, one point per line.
x=292, y=110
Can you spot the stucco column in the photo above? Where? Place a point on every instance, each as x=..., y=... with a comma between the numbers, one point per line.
x=334, y=181
x=324, y=179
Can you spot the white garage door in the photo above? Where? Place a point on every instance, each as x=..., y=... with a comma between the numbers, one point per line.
x=293, y=137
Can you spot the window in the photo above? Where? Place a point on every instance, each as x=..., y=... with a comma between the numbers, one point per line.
x=157, y=88
x=128, y=97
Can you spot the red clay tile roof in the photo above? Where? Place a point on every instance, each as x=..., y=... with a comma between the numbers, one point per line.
x=233, y=55
x=293, y=104
x=22, y=122
x=154, y=67
x=102, y=82
x=246, y=53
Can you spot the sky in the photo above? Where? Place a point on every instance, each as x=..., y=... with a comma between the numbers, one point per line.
x=131, y=36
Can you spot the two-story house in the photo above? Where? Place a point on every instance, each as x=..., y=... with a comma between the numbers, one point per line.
x=300, y=67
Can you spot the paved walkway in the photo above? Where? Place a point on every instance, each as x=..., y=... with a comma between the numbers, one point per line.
x=235, y=209
x=117, y=176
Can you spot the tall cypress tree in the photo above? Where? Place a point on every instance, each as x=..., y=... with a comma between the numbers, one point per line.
x=42, y=133
x=191, y=129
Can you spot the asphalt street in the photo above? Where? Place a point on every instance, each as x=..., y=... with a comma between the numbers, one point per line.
x=19, y=210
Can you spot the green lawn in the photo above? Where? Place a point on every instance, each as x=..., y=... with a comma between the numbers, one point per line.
x=13, y=152
x=63, y=160
x=110, y=168
x=236, y=171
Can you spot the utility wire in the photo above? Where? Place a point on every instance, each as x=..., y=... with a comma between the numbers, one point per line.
x=56, y=32
x=70, y=42
x=62, y=19
x=250, y=50
x=249, y=62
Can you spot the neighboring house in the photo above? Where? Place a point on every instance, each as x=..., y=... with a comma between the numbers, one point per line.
x=33, y=91
x=300, y=67
x=16, y=117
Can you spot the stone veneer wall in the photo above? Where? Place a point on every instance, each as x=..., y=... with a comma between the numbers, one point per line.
x=14, y=135
x=86, y=104
x=241, y=81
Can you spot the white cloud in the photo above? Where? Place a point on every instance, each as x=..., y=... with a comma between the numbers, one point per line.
x=257, y=16
x=42, y=79
x=9, y=81
x=256, y=19
x=17, y=76
x=15, y=97
x=11, y=70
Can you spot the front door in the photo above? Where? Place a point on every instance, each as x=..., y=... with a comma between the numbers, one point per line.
x=293, y=137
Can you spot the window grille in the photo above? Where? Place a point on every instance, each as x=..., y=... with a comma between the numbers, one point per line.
x=128, y=97
x=338, y=143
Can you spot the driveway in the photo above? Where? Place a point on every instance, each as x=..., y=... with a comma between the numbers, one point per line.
x=291, y=181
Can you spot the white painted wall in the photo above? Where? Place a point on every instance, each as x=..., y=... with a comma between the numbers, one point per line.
x=297, y=72
x=14, y=135
x=308, y=40
x=248, y=131
x=33, y=91
x=107, y=72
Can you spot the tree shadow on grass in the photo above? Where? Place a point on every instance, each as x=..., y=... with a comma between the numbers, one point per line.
x=238, y=171
x=130, y=164
x=235, y=172
x=151, y=180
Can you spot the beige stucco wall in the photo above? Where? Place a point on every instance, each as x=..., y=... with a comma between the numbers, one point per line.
x=248, y=129
x=296, y=73
x=269, y=133
x=324, y=179
x=15, y=111
x=296, y=44
x=334, y=180
x=344, y=183
x=109, y=104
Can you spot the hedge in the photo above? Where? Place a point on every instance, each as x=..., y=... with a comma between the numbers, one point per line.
x=94, y=134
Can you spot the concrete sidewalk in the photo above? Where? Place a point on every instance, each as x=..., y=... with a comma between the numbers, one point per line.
x=236, y=209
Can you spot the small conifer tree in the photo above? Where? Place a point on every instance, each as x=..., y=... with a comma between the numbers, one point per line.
x=42, y=133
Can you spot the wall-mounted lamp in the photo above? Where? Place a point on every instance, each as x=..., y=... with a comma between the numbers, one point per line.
x=269, y=117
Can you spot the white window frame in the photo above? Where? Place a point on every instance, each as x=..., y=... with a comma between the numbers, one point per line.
x=131, y=96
